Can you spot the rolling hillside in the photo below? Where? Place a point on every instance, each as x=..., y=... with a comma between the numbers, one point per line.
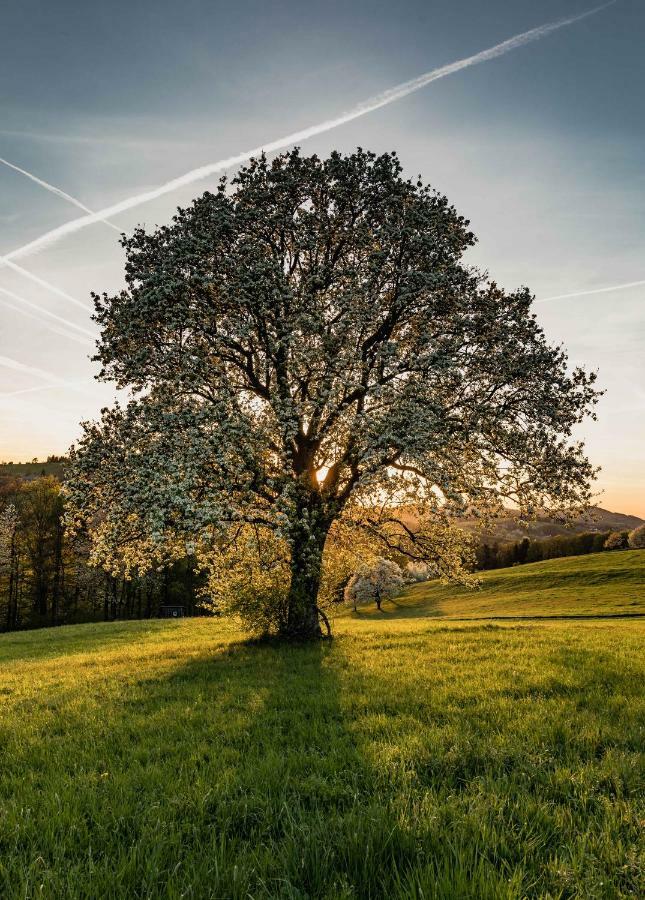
x=597, y=584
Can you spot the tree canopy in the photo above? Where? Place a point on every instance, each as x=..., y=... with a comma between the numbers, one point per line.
x=307, y=349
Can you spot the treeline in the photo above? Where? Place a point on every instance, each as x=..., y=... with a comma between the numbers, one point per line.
x=502, y=555
x=46, y=578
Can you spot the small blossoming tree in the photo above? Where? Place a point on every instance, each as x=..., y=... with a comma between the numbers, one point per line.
x=617, y=540
x=306, y=348
x=375, y=583
x=637, y=538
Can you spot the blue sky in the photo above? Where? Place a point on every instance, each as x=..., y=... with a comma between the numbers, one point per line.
x=542, y=149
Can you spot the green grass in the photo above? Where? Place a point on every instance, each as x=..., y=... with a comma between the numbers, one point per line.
x=597, y=584
x=409, y=758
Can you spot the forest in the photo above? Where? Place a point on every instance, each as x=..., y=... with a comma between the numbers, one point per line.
x=46, y=577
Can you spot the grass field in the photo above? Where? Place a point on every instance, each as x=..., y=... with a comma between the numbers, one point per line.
x=412, y=757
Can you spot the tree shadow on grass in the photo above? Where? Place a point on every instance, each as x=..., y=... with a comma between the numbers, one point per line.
x=396, y=609
x=232, y=775
x=239, y=773
x=265, y=770
x=68, y=640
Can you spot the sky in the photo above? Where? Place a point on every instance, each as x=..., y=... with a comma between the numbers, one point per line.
x=541, y=148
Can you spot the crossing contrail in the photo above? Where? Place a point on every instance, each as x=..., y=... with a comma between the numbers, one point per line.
x=75, y=385
x=65, y=196
x=384, y=99
x=45, y=312
x=50, y=380
x=50, y=326
x=604, y=290
x=4, y=261
x=54, y=190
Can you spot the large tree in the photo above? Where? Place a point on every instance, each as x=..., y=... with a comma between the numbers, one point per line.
x=306, y=347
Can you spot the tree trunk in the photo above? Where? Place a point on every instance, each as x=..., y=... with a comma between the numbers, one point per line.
x=41, y=588
x=148, y=613
x=58, y=566
x=308, y=536
x=106, y=598
x=12, y=605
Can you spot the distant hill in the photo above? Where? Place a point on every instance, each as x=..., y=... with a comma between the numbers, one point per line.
x=509, y=528
x=27, y=471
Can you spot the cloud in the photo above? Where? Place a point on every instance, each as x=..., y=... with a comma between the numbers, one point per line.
x=4, y=261
x=45, y=387
x=51, y=380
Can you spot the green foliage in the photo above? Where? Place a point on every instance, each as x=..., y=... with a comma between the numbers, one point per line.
x=499, y=556
x=54, y=465
x=46, y=577
x=405, y=759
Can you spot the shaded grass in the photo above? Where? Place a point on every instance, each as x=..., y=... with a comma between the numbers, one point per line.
x=405, y=759
x=598, y=584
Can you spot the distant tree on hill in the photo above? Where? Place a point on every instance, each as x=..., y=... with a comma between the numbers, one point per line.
x=375, y=583
x=637, y=538
x=617, y=540
x=522, y=550
x=307, y=343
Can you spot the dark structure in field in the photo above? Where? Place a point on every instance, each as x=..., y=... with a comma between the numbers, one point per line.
x=172, y=612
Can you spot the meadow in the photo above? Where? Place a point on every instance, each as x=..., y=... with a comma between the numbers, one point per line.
x=414, y=756
x=598, y=584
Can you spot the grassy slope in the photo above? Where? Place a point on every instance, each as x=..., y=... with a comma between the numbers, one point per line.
x=597, y=584
x=410, y=758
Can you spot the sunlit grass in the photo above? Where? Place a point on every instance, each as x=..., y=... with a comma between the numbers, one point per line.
x=408, y=758
x=597, y=584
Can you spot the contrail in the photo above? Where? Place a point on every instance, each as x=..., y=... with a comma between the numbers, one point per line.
x=44, y=387
x=54, y=190
x=5, y=261
x=45, y=312
x=604, y=290
x=50, y=326
x=65, y=196
x=362, y=109
x=51, y=380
